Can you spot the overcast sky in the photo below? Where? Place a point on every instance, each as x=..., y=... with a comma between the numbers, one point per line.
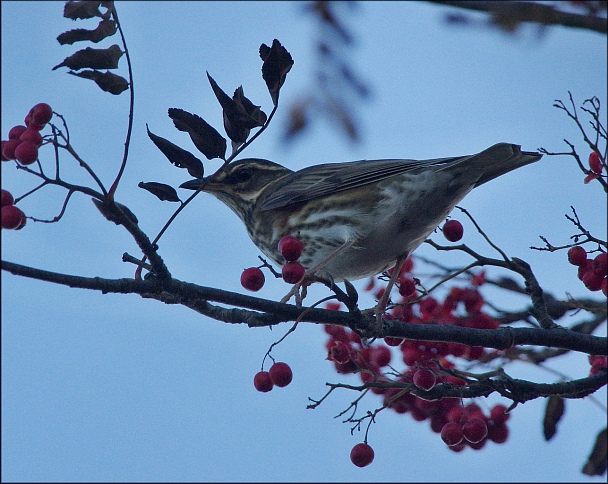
x=113, y=387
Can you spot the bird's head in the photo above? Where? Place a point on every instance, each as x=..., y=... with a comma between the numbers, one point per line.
x=240, y=184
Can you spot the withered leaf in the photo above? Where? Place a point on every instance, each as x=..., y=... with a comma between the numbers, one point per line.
x=113, y=211
x=178, y=156
x=239, y=113
x=553, y=414
x=221, y=96
x=81, y=10
x=204, y=136
x=106, y=28
x=162, y=191
x=93, y=58
x=598, y=459
x=253, y=115
x=107, y=81
x=298, y=119
x=277, y=63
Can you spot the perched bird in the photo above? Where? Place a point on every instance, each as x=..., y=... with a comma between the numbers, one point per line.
x=355, y=219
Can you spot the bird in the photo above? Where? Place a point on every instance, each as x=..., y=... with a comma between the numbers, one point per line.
x=356, y=219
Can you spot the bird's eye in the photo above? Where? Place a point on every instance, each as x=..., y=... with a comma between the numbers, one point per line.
x=240, y=176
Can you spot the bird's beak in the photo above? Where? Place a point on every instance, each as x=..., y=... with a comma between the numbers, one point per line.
x=196, y=184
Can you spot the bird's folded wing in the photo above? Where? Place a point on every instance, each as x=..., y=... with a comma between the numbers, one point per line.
x=323, y=180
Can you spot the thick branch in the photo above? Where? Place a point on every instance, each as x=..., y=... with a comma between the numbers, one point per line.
x=532, y=12
x=173, y=291
x=517, y=390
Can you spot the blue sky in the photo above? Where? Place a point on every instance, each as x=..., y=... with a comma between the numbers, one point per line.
x=107, y=387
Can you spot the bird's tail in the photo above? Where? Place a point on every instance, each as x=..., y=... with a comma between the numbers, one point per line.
x=500, y=159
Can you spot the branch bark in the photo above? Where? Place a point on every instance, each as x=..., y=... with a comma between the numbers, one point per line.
x=532, y=12
x=259, y=312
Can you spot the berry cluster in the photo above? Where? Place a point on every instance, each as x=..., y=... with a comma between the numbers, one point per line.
x=279, y=375
x=427, y=364
x=468, y=426
x=23, y=141
x=593, y=272
x=291, y=249
x=12, y=217
x=22, y=145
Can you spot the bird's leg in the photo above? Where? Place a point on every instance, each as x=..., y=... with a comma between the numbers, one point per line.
x=380, y=308
x=295, y=290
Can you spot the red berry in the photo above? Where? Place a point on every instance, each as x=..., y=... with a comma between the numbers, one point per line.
x=425, y=379
x=605, y=286
x=335, y=331
x=585, y=267
x=594, y=162
x=252, y=279
x=577, y=255
x=7, y=198
x=478, y=279
x=473, y=300
x=22, y=224
x=4, y=158
x=438, y=420
x=427, y=306
x=280, y=374
x=407, y=286
x=290, y=248
x=26, y=153
x=453, y=230
x=293, y=272
x=391, y=341
x=29, y=122
x=598, y=364
x=362, y=455
x=592, y=281
x=475, y=353
x=12, y=217
x=498, y=414
x=262, y=381
x=600, y=264
x=458, y=447
x=411, y=355
x=31, y=135
x=339, y=352
x=380, y=355
x=455, y=414
x=41, y=113
x=451, y=433
x=9, y=147
x=475, y=430
x=472, y=410
x=454, y=380
x=598, y=360
x=498, y=433
x=333, y=306
x=16, y=131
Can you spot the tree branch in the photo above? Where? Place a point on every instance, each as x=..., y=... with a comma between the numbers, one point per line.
x=532, y=12
x=174, y=291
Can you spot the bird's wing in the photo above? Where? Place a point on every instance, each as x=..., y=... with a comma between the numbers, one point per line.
x=322, y=180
